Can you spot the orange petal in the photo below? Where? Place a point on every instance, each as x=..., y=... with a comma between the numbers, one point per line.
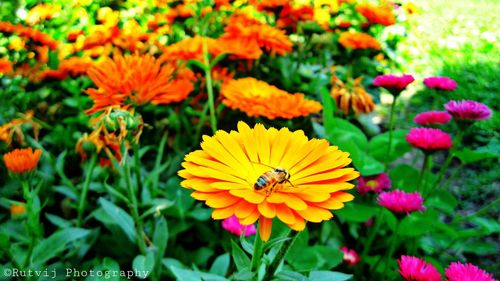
x=289, y=199
x=247, y=138
x=223, y=213
x=315, y=214
x=268, y=210
x=312, y=196
x=221, y=200
x=251, y=219
x=249, y=195
x=299, y=224
x=335, y=174
x=243, y=209
x=285, y=214
x=326, y=187
x=279, y=147
x=217, y=151
x=262, y=143
x=265, y=228
x=199, y=184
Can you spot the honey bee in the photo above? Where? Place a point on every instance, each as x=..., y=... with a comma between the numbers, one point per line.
x=270, y=179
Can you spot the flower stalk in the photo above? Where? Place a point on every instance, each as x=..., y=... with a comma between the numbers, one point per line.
x=391, y=129
x=210, y=91
x=85, y=189
x=280, y=255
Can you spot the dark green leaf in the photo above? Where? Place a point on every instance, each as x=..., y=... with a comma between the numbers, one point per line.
x=241, y=260
x=328, y=276
x=121, y=218
x=221, y=265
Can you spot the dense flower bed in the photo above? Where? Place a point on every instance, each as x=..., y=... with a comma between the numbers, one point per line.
x=221, y=140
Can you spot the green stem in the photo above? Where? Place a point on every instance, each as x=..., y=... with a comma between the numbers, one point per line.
x=371, y=236
x=391, y=129
x=478, y=212
x=85, y=189
x=425, y=165
x=210, y=90
x=31, y=222
x=134, y=209
x=137, y=165
x=258, y=246
x=280, y=256
x=447, y=162
x=391, y=249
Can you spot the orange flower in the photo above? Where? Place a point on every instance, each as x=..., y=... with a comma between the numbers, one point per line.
x=377, y=14
x=240, y=48
x=20, y=161
x=356, y=40
x=274, y=40
x=76, y=65
x=17, y=209
x=291, y=15
x=257, y=98
x=260, y=174
x=137, y=79
x=5, y=65
x=354, y=97
x=29, y=33
x=190, y=48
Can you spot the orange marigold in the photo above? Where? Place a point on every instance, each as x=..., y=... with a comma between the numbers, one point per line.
x=138, y=79
x=260, y=174
x=29, y=33
x=356, y=40
x=20, y=161
x=76, y=65
x=191, y=48
x=377, y=14
x=5, y=65
x=257, y=98
x=240, y=27
x=354, y=97
x=17, y=209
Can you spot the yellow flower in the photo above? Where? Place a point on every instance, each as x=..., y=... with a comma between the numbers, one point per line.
x=257, y=98
x=229, y=166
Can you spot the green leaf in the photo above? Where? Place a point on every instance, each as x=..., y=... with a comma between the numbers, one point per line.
x=403, y=177
x=328, y=276
x=221, y=265
x=191, y=275
x=357, y=212
x=58, y=221
x=328, y=110
x=378, y=146
x=160, y=239
x=328, y=257
x=144, y=264
x=121, y=218
x=56, y=244
x=287, y=275
x=241, y=260
x=468, y=156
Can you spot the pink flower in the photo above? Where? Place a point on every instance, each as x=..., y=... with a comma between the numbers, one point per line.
x=393, y=83
x=232, y=224
x=374, y=183
x=350, y=256
x=432, y=117
x=457, y=271
x=468, y=110
x=416, y=269
x=429, y=139
x=440, y=83
x=401, y=202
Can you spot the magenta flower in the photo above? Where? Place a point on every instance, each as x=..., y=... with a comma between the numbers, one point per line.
x=468, y=110
x=457, y=271
x=429, y=139
x=440, y=83
x=232, y=224
x=350, y=256
x=432, y=118
x=374, y=183
x=393, y=83
x=416, y=269
x=401, y=202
